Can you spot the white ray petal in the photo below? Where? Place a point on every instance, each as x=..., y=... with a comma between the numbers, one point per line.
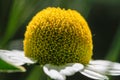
x=105, y=67
x=114, y=69
x=100, y=62
x=45, y=69
x=68, y=71
x=97, y=68
x=78, y=67
x=116, y=66
x=94, y=75
x=15, y=57
x=71, y=70
x=114, y=73
x=54, y=74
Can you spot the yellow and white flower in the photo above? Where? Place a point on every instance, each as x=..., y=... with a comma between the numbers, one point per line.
x=61, y=41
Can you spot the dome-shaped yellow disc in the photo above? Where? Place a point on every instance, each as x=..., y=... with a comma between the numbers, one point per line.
x=58, y=36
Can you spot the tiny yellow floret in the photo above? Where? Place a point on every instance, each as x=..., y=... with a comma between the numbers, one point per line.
x=58, y=36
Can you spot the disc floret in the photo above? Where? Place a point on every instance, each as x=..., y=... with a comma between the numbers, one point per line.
x=58, y=36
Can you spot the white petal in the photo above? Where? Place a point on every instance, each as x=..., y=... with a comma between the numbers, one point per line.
x=105, y=67
x=53, y=74
x=97, y=68
x=77, y=67
x=56, y=75
x=68, y=71
x=100, y=62
x=15, y=57
x=71, y=70
x=116, y=66
x=94, y=75
x=114, y=73
x=45, y=69
x=114, y=69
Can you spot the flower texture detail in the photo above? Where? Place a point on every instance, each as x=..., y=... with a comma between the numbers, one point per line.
x=58, y=36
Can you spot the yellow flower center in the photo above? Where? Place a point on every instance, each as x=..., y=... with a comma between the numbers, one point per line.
x=58, y=36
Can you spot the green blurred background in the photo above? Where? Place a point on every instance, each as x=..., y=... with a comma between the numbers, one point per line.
x=103, y=17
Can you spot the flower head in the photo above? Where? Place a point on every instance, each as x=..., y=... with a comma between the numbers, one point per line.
x=58, y=36
x=61, y=41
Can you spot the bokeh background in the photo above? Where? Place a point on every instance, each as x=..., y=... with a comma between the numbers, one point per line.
x=103, y=17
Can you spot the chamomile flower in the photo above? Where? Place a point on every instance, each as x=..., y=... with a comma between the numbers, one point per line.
x=58, y=36
x=61, y=41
